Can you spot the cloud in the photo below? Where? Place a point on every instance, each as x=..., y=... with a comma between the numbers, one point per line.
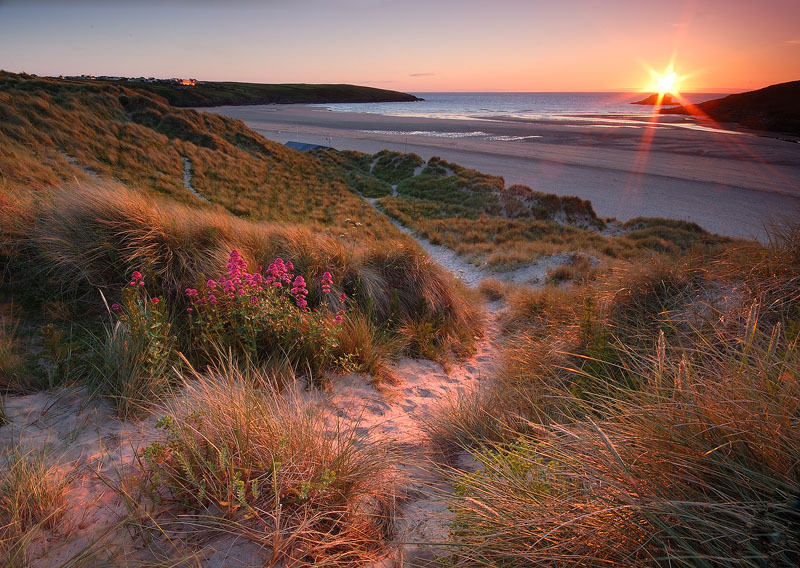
x=793, y=41
x=422, y=74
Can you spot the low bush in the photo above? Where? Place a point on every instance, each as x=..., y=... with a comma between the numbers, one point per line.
x=258, y=317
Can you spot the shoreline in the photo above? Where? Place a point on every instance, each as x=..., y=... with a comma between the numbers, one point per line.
x=730, y=184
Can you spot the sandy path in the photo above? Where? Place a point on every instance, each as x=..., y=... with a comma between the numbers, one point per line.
x=187, y=178
x=730, y=184
x=393, y=412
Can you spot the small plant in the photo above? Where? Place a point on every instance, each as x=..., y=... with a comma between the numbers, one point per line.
x=137, y=351
x=493, y=289
x=260, y=316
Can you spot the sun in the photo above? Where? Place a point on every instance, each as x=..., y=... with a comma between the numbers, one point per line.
x=667, y=82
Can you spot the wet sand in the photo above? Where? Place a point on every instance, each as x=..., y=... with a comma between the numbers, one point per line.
x=731, y=183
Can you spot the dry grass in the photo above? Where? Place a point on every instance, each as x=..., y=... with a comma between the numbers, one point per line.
x=364, y=348
x=93, y=237
x=660, y=428
x=248, y=461
x=12, y=361
x=31, y=500
x=493, y=289
x=700, y=470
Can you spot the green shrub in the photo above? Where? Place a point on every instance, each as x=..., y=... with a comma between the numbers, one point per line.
x=259, y=317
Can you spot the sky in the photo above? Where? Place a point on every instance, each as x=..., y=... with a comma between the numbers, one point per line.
x=412, y=45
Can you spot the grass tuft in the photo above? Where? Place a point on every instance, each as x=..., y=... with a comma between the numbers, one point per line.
x=263, y=465
x=31, y=500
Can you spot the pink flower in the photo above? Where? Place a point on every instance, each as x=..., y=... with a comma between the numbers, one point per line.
x=327, y=281
x=154, y=301
x=115, y=307
x=211, y=284
x=136, y=279
x=338, y=318
x=189, y=309
x=212, y=299
x=343, y=297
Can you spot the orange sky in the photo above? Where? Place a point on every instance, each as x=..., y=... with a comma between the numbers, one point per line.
x=414, y=45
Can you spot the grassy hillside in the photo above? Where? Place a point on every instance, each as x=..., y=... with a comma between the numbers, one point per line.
x=646, y=419
x=643, y=412
x=212, y=93
x=93, y=187
x=504, y=228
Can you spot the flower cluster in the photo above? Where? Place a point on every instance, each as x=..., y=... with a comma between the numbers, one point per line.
x=279, y=273
x=266, y=311
x=299, y=291
x=327, y=282
x=136, y=279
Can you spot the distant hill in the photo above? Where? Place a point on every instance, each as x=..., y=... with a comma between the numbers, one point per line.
x=208, y=93
x=775, y=108
x=656, y=100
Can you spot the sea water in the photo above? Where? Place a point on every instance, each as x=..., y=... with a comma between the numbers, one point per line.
x=516, y=105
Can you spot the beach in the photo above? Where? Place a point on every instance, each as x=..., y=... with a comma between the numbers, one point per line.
x=729, y=182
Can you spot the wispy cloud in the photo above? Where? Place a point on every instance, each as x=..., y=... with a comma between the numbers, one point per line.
x=793, y=41
x=422, y=74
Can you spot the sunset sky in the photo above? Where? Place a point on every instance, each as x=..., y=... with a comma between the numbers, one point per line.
x=412, y=45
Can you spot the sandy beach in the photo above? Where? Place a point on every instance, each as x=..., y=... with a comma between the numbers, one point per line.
x=730, y=183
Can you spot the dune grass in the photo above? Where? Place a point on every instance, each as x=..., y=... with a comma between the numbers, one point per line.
x=242, y=459
x=79, y=247
x=365, y=348
x=653, y=426
x=31, y=500
x=60, y=131
x=12, y=361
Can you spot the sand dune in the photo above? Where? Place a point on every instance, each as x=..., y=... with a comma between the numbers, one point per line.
x=729, y=183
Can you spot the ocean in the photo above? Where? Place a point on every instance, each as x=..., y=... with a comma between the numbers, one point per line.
x=516, y=105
